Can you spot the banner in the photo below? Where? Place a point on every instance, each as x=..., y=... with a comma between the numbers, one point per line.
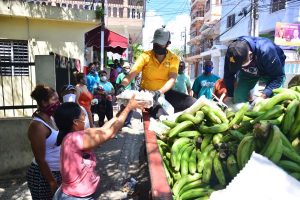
x=287, y=34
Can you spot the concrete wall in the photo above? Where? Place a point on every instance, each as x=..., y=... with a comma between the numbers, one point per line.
x=242, y=28
x=14, y=145
x=45, y=70
x=44, y=36
x=267, y=20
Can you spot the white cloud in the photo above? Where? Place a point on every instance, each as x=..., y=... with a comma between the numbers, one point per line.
x=152, y=22
x=175, y=26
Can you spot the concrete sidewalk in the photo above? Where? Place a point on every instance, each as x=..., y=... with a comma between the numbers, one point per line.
x=117, y=161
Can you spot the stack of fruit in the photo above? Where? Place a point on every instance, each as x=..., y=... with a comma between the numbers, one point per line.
x=204, y=150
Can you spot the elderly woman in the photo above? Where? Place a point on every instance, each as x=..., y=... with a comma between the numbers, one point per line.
x=78, y=162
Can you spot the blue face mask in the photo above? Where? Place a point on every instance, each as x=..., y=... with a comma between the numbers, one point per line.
x=208, y=69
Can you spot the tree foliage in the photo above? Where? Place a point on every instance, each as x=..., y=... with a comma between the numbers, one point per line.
x=137, y=50
x=178, y=52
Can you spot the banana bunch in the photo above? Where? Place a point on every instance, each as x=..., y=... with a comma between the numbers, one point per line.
x=203, y=151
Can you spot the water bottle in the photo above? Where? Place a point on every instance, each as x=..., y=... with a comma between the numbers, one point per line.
x=166, y=105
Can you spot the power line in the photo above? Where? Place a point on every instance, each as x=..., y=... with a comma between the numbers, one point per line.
x=244, y=17
x=223, y=17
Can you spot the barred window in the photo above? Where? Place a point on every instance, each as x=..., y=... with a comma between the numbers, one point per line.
x=14, y=58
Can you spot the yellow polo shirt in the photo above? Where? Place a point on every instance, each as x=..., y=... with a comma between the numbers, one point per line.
x=155, y=74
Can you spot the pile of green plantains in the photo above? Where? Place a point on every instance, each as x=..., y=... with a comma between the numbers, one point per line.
x=205, y=149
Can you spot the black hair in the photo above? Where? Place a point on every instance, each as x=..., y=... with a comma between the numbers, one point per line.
x=91, y=64
x=103, y=72
x=42, y=93
x=79, y=76
x=63, y=117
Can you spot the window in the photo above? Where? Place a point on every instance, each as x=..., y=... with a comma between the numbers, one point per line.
x=109, y=11
x=277, y=5
x=121, y=12
x=133, y=13
x=138, y=14
x=128, y=12
x=115, y=12
x=230, y=21
x=207, y=6
x=14, y=58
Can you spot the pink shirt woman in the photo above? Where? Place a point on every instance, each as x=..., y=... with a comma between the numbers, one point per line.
x=78, y=162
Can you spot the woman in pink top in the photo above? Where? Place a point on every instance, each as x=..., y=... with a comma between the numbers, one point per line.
x=78, y=162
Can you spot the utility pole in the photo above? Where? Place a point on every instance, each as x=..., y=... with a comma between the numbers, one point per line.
x=102, y=35
x=254, y=31
x=183, y=34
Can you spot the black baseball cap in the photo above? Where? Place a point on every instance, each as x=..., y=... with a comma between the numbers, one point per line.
x=237, y=54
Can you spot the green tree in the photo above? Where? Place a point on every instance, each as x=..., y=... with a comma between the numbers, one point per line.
x=178, y=52
x=137, y=50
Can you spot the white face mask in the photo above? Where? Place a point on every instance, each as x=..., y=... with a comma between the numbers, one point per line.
x=103, y=78
x=69, y=98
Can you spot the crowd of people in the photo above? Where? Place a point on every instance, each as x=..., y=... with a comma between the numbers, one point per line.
x=64, y=135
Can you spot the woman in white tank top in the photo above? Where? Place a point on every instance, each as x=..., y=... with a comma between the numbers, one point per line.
x=43, y=176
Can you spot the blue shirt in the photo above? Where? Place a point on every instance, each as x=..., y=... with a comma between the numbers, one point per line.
x=204, y=85
x=182, y=83
x=91, y=81
x=269, y=61
x=106, y=86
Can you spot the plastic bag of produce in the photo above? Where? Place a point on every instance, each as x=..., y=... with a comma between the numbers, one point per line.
x=159, y=128
x=145, y=96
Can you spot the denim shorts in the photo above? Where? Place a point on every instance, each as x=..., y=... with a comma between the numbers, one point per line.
x=59, y=195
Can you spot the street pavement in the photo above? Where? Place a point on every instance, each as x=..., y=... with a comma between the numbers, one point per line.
x=118, y=160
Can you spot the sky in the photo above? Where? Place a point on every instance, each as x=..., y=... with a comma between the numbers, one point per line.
x=175, y=14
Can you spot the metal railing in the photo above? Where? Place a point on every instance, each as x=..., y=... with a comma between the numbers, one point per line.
x=292, y=67
x=115, y=7
x=15, y=89
x=198, y=14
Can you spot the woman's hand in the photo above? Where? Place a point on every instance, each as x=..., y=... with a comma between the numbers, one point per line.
x=53, y=187
x=133, y=104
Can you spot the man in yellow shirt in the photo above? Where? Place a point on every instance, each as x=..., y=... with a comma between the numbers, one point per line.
x=159, y=68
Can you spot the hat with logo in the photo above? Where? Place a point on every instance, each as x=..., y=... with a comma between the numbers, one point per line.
x=161, y=36
x=237, y=53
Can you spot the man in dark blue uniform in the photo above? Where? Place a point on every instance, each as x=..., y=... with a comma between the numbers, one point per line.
x=248, y=60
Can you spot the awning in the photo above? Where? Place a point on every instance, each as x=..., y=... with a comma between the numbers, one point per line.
x=113, y=42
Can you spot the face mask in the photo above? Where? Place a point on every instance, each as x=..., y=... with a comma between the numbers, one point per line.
x=69, y=98
x=247, y=63
x=159, y=50
x=181, y=70
x=103, y=78
x=51, y=108
x=126, y=71
x=208, y=69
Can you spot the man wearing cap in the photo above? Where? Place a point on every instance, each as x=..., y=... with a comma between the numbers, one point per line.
x=159, y=68
x=251, y=59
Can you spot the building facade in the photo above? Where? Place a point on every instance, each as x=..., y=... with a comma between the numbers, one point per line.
x=197, y=20
x=205, y=15
x=239, y=22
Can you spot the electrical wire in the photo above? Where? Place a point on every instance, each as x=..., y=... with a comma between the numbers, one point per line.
x=223, y=17
x=242, y=18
